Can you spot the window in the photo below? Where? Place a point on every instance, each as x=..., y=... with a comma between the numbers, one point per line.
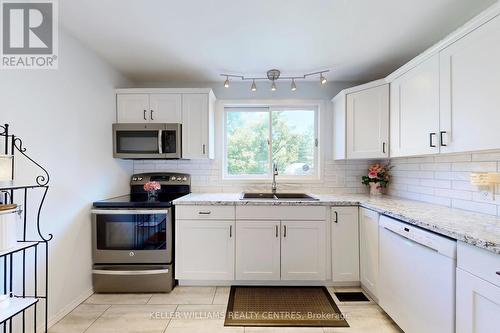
x=257, y=137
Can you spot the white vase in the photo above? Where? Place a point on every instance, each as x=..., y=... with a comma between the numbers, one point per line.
x=375, y=189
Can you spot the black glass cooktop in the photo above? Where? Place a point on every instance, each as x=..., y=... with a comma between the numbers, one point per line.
x=137, y=201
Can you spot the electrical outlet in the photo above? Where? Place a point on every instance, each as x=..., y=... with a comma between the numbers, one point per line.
x=486, y=195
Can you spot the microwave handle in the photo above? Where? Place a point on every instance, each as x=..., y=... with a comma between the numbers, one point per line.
x=160, y=144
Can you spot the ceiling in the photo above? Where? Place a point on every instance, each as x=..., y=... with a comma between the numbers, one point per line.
x=195, y=40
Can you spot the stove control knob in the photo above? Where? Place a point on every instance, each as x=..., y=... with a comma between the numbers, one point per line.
x=185, y=179
x=140, y=178
x=134, y=179
x=179, y=179
x=173, y=178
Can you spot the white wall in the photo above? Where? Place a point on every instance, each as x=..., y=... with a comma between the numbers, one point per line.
x=64, y=117
x=445, y=180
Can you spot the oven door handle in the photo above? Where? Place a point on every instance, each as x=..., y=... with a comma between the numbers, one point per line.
x=112, y=211
x=144, y=272
x=160, y=143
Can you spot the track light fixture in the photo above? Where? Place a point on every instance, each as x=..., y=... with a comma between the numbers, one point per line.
x=274, y=75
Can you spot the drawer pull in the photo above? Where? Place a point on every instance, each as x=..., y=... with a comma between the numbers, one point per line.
x=230, y=231
x=205, y=213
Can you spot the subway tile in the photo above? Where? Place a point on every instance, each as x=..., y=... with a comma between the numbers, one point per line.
x=420, y=189
x=486, y=156
x=435, y=166
x=475, y=166
x=435, y=183
x=453, y=194
x=436, y=200
x=479, y=207
x=453, y=158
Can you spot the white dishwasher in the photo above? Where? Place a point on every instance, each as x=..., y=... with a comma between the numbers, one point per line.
x=417, y=277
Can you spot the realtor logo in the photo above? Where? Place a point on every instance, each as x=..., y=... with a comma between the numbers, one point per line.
x=29, y=34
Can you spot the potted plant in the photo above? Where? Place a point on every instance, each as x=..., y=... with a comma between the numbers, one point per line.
x=377, y=178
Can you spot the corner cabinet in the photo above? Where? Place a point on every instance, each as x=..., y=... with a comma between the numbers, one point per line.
x=361, y=122
x=193, y=108
x=415, y=110
x=368, y=246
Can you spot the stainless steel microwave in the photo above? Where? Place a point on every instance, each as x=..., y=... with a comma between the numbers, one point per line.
x=147, y=141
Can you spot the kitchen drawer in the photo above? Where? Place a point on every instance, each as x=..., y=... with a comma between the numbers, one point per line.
x=316, y=213
x=482, y=263
x=206, y=212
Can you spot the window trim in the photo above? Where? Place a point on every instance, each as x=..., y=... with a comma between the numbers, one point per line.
x=271, y=107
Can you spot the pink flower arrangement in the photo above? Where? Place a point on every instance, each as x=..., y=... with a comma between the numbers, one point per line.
x=378, y=174
x=152, y=186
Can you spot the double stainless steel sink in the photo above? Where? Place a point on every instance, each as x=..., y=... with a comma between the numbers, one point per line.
x=278, y=196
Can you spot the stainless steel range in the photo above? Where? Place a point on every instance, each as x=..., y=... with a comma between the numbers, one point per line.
x=132, y=236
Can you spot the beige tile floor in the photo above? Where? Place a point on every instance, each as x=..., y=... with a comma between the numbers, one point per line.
x=197, y=309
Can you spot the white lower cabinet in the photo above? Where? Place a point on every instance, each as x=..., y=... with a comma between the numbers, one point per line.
x=204, y=249
x=345, y=244
x=303, y=250
x=258, y=250
x=369, y=246
x=478, y=304
x=478, y=290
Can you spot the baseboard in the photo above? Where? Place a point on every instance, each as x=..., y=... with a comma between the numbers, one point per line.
x=219, y=283
x=67, y=309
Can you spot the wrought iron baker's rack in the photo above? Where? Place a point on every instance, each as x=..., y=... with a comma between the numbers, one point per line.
x=20, y=301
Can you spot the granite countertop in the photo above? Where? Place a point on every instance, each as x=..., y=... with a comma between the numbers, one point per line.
x=477, y=229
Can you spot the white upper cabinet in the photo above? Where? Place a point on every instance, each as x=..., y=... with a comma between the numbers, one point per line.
x=149, y=108
x=197, y=126
x=345, y=244
x=165, y=108
x=470, y=98
x=361, y=122
x=132, y=108
x=414, y=110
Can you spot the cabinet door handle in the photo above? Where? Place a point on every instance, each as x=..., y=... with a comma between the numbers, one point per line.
x=276, y=231
x=203, y=149
x=230, y=231
x=284, y=231
x=431, y=141
x=205, y=213
x=441, y=138
x=336, y=217
x=144, y=115
x=383, y=147
x=498, y=273
x=151, y=116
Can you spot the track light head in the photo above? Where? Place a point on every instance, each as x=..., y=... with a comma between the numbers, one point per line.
x=273, y=86
x=226, y=83
x=322, y=79
x=254, y=86
x=293, y=86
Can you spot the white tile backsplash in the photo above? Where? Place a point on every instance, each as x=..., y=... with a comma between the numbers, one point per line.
x=445, y=180
x=338, y=177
